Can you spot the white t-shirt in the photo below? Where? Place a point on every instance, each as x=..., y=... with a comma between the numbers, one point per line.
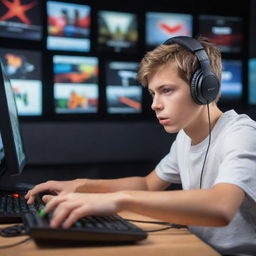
x=231, y=159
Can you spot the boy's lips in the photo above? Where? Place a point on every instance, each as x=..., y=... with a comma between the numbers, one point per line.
x=163, y=120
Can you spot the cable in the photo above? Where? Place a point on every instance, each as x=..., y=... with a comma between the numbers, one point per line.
x=157, y=230
x=14, y=244
x=169, y=225
x=150, y=222
x=12, y=231
x=15, y=230
x=209, y=142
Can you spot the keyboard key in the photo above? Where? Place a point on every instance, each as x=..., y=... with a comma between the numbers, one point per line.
x=13, y=205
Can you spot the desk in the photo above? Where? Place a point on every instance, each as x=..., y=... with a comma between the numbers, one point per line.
x=172, y=242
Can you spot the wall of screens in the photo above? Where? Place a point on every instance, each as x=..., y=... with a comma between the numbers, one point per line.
x=23, y=67
x=20, y=19
x=123, y=93
x=224, y=31
x=78, y=59
x=162, y=25
x=231, y=83
x=68, y=26
x=252, y=81
x=75, y=84
x=117, y=31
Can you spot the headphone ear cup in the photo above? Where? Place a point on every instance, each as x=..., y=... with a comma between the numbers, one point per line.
x=204, y=88
x=195, y=87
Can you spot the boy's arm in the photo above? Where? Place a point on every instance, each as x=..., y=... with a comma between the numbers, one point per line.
x=151, y=182
x=206, y=207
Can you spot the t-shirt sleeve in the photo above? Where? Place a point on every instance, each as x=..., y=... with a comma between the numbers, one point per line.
x=167, y=169
x=238, y=165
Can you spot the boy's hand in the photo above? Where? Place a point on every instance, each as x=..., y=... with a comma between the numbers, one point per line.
x=53, y=187
x=68, y=208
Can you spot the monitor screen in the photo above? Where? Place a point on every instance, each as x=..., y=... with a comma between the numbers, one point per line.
x=20, y=19
x=123, y=91
x=68, y=26
x=13, y=157
x=161, y=26
x=225, y=32
x=75, y=84
x=252, y=81
x=117, y=31
x=231, y=82
x=24, y=70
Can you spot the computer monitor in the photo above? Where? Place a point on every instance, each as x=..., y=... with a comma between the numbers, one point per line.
x=12, y=155
x=117, y=31
x=23, y=68
x=252, y=81
x=160, y=26
x=123, y=91
x=226, y=32
x=21, y=19
x=231, y=82
x=68, y=26
x=76, y=89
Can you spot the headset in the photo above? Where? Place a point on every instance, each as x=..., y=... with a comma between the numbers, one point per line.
x=204, y=84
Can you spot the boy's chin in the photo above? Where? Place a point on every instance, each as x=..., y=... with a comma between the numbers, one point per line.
x=171, y=129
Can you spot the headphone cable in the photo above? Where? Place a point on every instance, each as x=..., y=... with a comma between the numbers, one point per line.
x=166, y=225
x=209, y=142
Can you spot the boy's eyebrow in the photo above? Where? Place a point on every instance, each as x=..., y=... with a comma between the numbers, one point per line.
x=159, y=87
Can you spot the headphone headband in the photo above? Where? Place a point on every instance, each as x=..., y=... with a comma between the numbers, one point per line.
x=194, y=47
x=187, y=42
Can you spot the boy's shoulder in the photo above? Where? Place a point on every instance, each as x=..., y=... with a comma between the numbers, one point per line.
x=230, y=124
x=237, y=129
x=235, y=121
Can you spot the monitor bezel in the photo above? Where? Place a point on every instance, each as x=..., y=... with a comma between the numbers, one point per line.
x=12, y=165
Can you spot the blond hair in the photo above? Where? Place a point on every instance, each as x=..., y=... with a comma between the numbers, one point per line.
x=185, y=61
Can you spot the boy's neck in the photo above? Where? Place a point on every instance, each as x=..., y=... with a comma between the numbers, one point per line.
x=200, y=130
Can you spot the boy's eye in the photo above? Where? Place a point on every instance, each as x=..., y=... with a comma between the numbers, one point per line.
x=166, y=90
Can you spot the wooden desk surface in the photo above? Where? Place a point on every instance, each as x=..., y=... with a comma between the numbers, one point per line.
x=172, y=242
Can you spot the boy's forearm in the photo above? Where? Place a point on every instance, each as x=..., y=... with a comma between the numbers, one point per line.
x=111, y=185
x=170, y=206
x=195, y=207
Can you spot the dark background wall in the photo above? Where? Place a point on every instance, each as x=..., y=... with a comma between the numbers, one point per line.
x=114, y=148
x=94, y=142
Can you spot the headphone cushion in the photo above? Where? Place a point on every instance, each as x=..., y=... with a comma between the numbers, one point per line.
x=204, y=89
x=195, y=86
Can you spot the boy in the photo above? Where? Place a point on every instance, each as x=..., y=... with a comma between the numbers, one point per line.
x=213, y=157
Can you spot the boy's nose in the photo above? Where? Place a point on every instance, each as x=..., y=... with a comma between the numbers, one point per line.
x=156, y=104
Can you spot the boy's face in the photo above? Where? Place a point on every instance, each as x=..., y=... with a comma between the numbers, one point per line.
x=172, y=100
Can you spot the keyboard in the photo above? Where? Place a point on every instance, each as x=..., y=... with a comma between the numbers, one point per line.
x=13, y=205
x=87, y=229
